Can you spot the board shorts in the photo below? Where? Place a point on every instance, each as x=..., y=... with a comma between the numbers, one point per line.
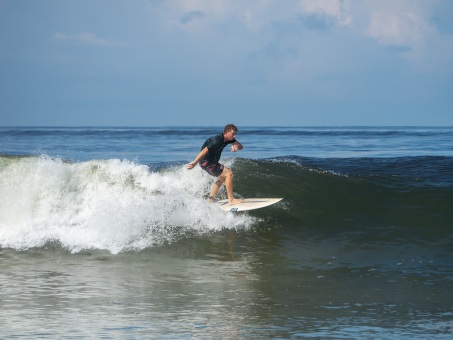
x=212, y=169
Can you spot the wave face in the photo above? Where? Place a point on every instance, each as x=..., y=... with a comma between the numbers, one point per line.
x=103, y=204
x=123, y=206
x=365, y=201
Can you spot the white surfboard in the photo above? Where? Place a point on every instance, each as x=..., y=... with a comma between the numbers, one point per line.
x=248, y=204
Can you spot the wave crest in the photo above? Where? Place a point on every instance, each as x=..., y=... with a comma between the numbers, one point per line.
x=113, y=204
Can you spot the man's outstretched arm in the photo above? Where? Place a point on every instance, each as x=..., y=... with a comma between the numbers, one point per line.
x=202, y=153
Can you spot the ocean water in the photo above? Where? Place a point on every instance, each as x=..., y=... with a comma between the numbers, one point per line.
x=105, y=234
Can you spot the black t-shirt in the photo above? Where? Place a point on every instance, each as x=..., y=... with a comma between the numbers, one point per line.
x=215, y=147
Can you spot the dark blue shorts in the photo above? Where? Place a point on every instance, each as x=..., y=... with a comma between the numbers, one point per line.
x=212, y=169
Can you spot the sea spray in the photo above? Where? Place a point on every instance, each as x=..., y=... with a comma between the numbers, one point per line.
x=116, y=205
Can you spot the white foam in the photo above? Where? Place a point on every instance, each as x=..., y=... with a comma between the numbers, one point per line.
x=104, y=204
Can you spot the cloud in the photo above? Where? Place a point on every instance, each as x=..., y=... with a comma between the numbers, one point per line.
x=317, y=21
x=327, y=10
x=413, y=30
x=84, y=39
x=256, y=15
x=401, y=28
x=191, y=16
x=405, y=23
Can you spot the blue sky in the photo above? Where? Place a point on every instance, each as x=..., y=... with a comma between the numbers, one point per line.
x=205, y=62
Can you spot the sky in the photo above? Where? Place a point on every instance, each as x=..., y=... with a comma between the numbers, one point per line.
x=212, y=62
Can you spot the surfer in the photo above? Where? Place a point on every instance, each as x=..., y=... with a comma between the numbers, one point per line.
x=209, y=157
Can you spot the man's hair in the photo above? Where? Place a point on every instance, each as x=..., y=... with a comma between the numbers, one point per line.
x=230, y=127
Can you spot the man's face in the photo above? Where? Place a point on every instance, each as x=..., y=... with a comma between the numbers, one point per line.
x=230, y=135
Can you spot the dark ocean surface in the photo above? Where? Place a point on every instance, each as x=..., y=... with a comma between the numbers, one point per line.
x=105, y=234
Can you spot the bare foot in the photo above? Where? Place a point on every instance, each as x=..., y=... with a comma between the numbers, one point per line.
x=235, y=201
